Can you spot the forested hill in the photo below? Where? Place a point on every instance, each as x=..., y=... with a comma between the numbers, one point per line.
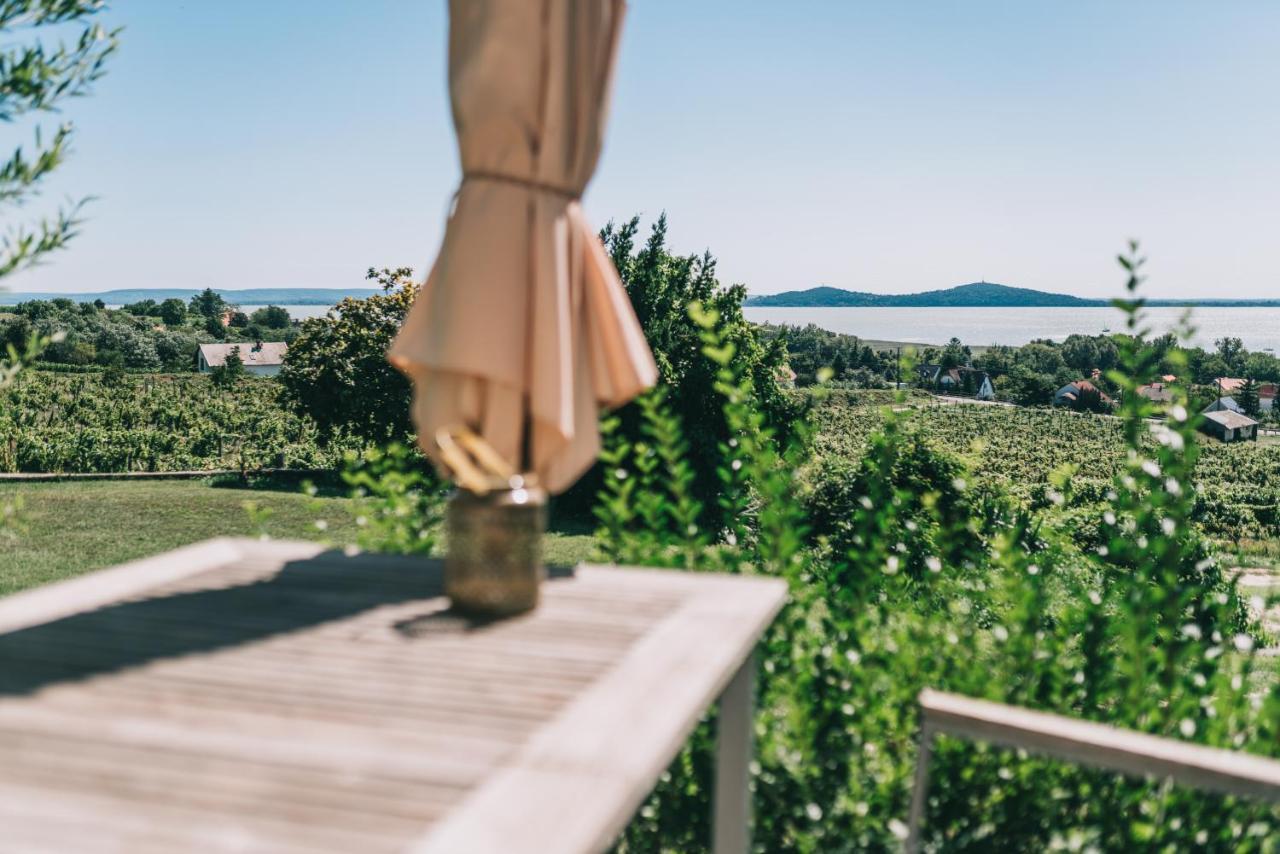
x=977, y=294
x=246, y=296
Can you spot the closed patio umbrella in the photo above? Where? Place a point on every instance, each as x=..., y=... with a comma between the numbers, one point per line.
x=523, y=329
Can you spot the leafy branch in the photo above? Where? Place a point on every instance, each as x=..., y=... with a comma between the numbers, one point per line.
x=37, y=77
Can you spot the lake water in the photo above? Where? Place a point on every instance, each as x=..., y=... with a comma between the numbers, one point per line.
x=297, y=312
x=1258, y=328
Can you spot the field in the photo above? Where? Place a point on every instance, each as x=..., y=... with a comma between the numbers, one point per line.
x=157, y=422
x=1239, y=483
x=73, y=527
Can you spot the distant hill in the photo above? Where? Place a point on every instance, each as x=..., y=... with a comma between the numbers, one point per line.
x=246, y=296
x=975, y=295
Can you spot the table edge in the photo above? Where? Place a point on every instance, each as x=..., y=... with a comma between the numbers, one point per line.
x=515, y=796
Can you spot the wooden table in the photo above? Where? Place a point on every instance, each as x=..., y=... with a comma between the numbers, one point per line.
x=263, y=696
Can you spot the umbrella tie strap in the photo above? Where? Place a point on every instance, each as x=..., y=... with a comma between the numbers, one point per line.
x=474, y=464
x=525, y=183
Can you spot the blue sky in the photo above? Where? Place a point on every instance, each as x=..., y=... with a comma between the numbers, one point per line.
x=880, y=146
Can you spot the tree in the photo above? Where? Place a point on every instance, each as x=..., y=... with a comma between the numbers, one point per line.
x=99, y=304
x=143, y=308
x=661, y=287
x=1232, y=352
x=1209, y=368
x=1028, y=387
x=230, y=371
x=336, y=370
x=1041, y=357
x=954, y=354
x=1247, y=397
x=36, y=76
x=271, y=317
x=997, y=360
x=213, y=327
x=238, y=319
x=1089, y=399
x=1086, y=352
x=208, y=303
x=173, y=312
x=839, y=365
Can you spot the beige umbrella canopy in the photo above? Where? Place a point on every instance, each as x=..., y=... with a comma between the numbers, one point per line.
x=523, y=329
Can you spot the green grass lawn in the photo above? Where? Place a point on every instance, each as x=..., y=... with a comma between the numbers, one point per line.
x=73, y=527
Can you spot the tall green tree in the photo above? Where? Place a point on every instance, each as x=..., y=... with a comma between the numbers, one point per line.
x=173, y=312
x=336, y=370
x=954, y=354
x=1247, y=397
x=1232, y=352
x=37, y=76
x=208, y=304
x=230, y=372
x=662, y=287
x=271, y=317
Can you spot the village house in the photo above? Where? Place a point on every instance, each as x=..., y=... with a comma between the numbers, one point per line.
x=1228, y=385
x=1229, y=426
x=1225, y=404
x=1156, y=392
x=961, y=380
x=1071, y=392
x=1232, y=385
x=1267, y=397
x=264, y=358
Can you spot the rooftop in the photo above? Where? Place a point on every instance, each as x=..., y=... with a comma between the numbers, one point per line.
x=262, y=353
x=1230, y=420
x=1228, y=384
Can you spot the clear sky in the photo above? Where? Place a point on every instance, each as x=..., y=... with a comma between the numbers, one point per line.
x=864, y=144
